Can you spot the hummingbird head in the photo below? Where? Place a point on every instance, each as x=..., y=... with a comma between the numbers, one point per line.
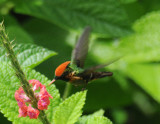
x=61, y=68
x=60, y=71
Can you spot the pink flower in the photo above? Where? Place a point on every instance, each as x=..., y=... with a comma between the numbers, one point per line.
x=21, y=103
x=32, y=112
x=43, y=102
x=18, y=93
x=23, y=111
x=44, y=92
x=23, y=100
x=36, y=84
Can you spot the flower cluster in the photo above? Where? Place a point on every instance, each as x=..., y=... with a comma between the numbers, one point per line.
x=23, y=100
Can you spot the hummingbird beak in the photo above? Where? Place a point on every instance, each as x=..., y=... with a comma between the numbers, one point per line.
x=52, y=82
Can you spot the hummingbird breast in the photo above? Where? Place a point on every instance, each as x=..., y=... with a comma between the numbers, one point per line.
x=72, y=77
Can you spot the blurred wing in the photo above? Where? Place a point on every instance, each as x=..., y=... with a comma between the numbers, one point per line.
x=101, y=66
x=81, y=49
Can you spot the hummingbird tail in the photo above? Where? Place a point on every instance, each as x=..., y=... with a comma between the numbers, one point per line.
x=104, y=74
x=97, y=75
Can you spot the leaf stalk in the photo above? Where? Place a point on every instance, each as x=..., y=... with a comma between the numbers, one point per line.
x=67, y=90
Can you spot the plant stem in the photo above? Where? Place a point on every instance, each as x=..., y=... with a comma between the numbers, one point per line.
x=19, y=73
x=67, y=90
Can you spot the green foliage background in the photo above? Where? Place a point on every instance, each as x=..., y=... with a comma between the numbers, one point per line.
x=120, y=27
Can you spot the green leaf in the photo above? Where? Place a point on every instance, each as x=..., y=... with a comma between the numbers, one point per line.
x=5, y=6
x=70, y=109
x=84, y=119
x=102, y=16
x=131, y=6
x=151, y=6
x=28, y=55
x=98, y=120
x=120, y=116
x=1, y=1
x=143, y=46
x=9, y=84
x=127, y=1
x=95, y=118
x=147, y=77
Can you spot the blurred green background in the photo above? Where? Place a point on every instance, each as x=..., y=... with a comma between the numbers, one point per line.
x=119, y=27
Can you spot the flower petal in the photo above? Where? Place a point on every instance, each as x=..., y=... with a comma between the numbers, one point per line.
x=44, y=92
x=21, y=103
x=36, y=84
x=43, y=102
x=32, y=112
x=23, y=111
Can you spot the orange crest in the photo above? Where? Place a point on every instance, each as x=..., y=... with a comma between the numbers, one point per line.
x=60, y=69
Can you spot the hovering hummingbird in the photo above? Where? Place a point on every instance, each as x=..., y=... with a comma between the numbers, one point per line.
x=73, y=72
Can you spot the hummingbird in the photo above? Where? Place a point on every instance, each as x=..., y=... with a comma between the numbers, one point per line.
x=73, y=71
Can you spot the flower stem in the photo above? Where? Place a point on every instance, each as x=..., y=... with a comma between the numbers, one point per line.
x=19, y=73
x=67, y=90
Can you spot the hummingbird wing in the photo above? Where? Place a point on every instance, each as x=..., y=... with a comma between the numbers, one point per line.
x=81, y=49
x=91, y=69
